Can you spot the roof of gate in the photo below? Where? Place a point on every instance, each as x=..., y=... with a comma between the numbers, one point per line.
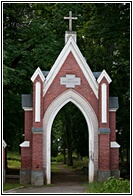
x=96, y=74
x=113, y=102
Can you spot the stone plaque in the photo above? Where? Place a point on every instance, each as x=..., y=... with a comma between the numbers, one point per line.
x=70, y=81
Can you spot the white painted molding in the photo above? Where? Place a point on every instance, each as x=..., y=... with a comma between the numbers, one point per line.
x=92, y=123
x=114, y=145
x=104, y=74
x=4, y=144
x=113, y=109
x=73, y=34
x=25, y=144
x=37, y=101
x=71, y=46
x=36, y=73
x=104, y=103
x=27, y=108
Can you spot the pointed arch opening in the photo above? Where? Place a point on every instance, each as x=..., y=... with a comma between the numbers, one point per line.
x=92, y=124
x=69, y=146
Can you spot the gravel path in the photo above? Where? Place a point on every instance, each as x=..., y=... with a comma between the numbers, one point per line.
x=65, y=180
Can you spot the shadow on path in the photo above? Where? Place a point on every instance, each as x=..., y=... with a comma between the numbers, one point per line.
x=64, y=180
x=68, y=176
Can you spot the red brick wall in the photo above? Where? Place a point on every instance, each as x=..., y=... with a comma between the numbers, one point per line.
x=25, y=158
x=37, y=152
x=70, y=66
x=28, y=125
x=26, y=151
x=114, y=158
x=104, y=152
x=112, y=123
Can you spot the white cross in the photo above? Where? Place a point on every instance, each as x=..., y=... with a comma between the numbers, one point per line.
x=70, y=81
x=70, y=20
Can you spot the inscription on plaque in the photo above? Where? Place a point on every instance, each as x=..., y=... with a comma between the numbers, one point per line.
x=70, y=81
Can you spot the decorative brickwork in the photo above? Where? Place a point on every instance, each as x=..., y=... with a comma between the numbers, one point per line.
x=69, y=80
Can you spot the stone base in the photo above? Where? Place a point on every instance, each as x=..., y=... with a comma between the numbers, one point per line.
x=25, y=176
x=103, y=175
x=4, y=175
x=37, y=178
x=115, y=173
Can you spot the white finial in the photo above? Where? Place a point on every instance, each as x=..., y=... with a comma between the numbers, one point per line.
x=70, y=20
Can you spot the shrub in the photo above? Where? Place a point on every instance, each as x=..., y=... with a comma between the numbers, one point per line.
x=113, y=185
x=80, y=164
x=60, y=158
x=94, y=187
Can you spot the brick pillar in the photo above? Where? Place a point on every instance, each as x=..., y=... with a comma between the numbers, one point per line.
x=112, y=124
x=26, y=149
x=104, y=130
x=114, y=147
x=115, y=160
x=37, y=173
x=104, y=154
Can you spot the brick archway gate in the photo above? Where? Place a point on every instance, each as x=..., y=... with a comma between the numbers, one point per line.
x=92, y=123
x=69, y=80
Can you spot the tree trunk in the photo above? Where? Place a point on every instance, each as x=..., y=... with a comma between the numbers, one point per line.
x=69, y=145
x=64, y=154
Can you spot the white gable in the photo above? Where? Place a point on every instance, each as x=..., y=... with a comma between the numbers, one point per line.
x=71, y=46
x=36, y=73
x=102, y=75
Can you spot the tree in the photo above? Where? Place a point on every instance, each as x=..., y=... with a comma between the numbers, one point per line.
x=106, y=31
x=33, y=37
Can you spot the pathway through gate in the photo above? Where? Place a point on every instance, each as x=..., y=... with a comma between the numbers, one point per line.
x=66, y=180
x=66, y=176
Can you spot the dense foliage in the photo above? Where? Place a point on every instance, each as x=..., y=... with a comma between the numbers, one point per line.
x=111, y=185
x=33, y=35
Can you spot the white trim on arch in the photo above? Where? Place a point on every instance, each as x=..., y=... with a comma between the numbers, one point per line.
x=92, y=123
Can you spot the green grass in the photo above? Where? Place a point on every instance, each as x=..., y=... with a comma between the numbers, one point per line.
x=13, y=164
x=13, y=160
x=94, y=187
x=54, y=167
x=14, y=155
x=8, y=186
x=80, y=164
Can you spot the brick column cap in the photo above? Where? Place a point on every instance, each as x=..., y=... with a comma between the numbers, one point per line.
x=25, y=144
x=4, y=144
x=114, y=145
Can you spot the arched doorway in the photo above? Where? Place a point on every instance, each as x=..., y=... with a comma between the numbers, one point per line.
x=69, y=146
x=92, y=123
